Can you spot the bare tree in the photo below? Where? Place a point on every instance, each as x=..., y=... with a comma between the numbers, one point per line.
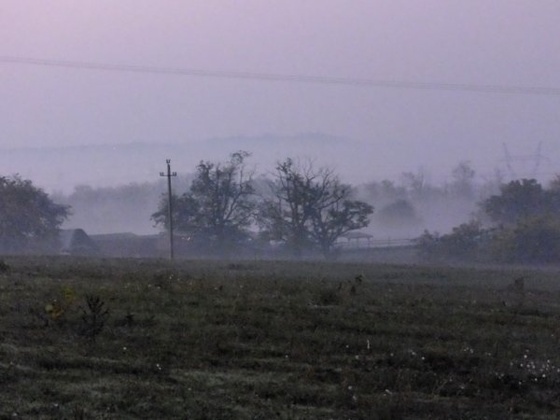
x=337, y=215
x=219, y=206
x=463, y=180
x=309, y=206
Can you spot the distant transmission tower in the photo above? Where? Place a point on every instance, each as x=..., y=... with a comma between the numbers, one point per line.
x=530, y=164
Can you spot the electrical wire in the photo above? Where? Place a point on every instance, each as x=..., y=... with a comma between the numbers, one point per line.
x=287, y=78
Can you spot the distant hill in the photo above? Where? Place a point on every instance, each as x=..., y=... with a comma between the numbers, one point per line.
x=268, y=149
x=62, y=168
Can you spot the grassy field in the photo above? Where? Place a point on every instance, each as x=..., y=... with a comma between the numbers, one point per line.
x=276, y=340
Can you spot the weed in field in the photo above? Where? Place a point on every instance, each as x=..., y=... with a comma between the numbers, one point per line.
x=78, y=413
x=515, y=294
x=94, y=316
x=58, y=307
x=336, y=296
x=55, y=312
x=129, y=320
x=328, y=297
x=531, y=371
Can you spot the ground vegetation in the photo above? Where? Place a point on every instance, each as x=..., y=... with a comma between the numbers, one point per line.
x=126, y=339
x=519, y=225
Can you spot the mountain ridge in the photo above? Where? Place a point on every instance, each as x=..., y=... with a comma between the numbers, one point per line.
x=62, y=167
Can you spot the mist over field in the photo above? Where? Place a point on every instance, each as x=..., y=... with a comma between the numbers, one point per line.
x=280, y=209
x=61, y=169
x=101, y=209
x=98, y=96
x=117, y=188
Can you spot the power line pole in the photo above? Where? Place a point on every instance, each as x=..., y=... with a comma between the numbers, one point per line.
x=169, y=205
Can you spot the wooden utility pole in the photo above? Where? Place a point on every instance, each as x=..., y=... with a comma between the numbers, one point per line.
x=169, y=206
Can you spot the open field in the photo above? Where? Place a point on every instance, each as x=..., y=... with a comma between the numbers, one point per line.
x=276, y=340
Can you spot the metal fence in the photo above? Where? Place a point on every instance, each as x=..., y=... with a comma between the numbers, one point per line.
x=375, y=243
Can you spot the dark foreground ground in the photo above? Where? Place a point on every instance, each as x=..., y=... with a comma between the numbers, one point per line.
x=278, y=340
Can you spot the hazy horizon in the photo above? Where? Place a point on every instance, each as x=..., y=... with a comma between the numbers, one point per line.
x=61, y=169
x=450, y=81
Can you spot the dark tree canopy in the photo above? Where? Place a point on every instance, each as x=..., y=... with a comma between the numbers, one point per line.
x=309, y=206
x=517, y=200
x=218, y=208
x=466, y=242
x=28, y=217
x=526, y=228
x=463, y=180
x=399, y=213
x=286, y=214
x=532, y=240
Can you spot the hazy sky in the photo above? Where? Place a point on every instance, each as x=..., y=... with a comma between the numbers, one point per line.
x=475, y=42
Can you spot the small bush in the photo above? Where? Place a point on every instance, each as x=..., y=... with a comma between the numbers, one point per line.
x=94, y=316
x=533, y=240
x=328, y=297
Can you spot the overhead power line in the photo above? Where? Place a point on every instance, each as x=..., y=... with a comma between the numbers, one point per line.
x=289, y=78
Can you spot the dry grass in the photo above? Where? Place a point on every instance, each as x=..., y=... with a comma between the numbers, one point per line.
x=251, y=340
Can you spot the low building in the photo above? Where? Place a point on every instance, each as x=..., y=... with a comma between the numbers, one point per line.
x=129, y=245
x=76, y=242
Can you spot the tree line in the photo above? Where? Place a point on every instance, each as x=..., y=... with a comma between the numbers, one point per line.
x=225, y=208
x=29, y=219
x=521, y=225
x=300, y=207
